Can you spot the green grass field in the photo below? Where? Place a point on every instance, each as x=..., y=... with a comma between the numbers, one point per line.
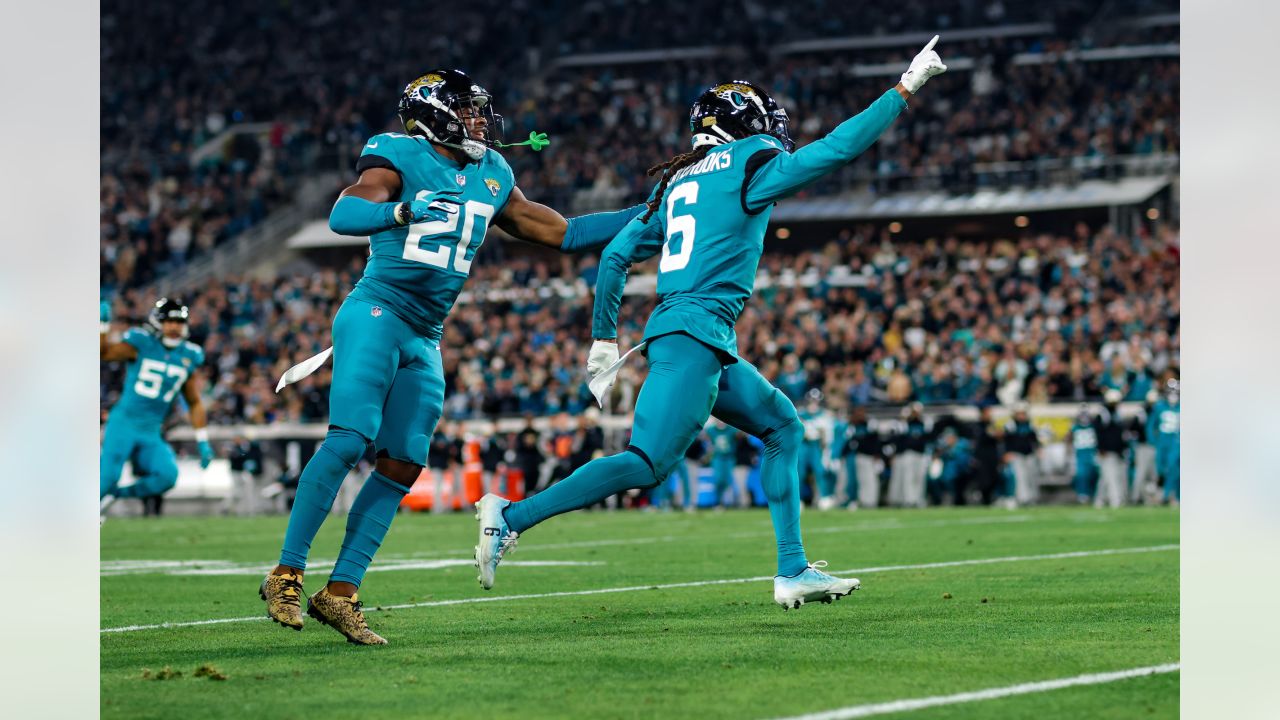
x=916, y=628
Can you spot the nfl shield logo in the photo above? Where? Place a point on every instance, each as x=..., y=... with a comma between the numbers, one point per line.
x=376, y=311
x=462, y=179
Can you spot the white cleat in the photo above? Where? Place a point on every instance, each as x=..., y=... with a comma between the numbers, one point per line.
x=810, y=586
x=496, y=538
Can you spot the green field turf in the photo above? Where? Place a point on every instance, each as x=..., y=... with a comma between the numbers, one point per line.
x=710, y=651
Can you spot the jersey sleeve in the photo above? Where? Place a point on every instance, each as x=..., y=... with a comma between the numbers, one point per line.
x=379, y=152
x=197, y=355
x=786, y=174
x=637, y=241
x=137, y=337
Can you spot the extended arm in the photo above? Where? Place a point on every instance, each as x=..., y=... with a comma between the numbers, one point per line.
x=366, y=208
x=538, y=224
x=637, y=241
x=199, y=419
x=785, y=174
x=107, y=350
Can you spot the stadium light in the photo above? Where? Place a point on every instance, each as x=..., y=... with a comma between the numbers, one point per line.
x=1153, y=214
x=783, y=233
x=1021, y=221
x=895, y=227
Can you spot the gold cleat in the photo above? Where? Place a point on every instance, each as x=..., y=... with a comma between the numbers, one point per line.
x=344, y=615
x=283, y=594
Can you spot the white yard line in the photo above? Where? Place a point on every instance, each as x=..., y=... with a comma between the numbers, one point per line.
x=209, y=567
x=669, y=586
x=227, y=568
x=897, y=706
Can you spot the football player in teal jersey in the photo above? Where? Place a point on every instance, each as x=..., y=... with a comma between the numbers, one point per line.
x=1164, y=427
x=425, y=198
x=1082, y=439
x=724, y=452
x=817, y=438
x=161, y=363
x=707, y=218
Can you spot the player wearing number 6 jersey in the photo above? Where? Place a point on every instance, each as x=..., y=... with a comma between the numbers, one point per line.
x=425, y=198
x=161, y=364
x=707, y=217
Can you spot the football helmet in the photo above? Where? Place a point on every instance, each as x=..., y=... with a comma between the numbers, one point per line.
x=167, y=310
x=436, y=105
x=735, y=110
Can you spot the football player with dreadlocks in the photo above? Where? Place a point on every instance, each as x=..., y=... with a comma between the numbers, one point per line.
x=425, y=198
x=707, y=217
x=161, y=362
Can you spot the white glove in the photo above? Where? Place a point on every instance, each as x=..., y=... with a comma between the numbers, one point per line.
x=603, y=355
x=924, y=66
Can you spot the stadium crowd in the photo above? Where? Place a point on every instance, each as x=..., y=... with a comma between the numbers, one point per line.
x=162, y=204
x=864, y=319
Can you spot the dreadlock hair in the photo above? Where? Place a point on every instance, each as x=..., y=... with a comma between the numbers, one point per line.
x=668, y=169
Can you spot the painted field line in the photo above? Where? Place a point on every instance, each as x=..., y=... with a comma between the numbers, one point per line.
x=875, y=525
x=108, y=568
x=897, y=706
x=258, y=569
x=672, y=586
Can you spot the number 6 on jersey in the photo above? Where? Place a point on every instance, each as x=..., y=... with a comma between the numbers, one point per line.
x=682, y=225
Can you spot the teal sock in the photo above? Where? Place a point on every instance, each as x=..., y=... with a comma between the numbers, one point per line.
x=587, y=486
x=367, y=524
x=321, y=479
x=780, y=476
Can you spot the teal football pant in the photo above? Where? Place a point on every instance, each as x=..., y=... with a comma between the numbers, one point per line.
x=388, y=381
x=811, y=462
x=1169, y=458
x=686, y=383
x=387, y=388
x=155, y=466
x=721, y=473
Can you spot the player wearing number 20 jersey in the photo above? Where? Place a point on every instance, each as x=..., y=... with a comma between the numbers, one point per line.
x=707, y=218
x=425, y=198
x=417, y=271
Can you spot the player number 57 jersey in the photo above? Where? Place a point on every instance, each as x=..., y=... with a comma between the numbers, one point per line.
x=154, y=379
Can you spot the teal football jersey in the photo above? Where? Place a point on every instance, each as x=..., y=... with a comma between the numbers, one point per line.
x=712, y=246
x=417, y=271
x=722, y=440
x=154, y=378
x=1084, y=437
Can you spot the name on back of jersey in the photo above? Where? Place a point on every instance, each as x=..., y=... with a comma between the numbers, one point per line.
x=713, y=162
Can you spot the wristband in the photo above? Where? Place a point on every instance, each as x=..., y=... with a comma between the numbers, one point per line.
x=202, y=435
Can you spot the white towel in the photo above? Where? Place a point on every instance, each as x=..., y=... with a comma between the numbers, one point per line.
x=303, y=369
x=601, y=383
